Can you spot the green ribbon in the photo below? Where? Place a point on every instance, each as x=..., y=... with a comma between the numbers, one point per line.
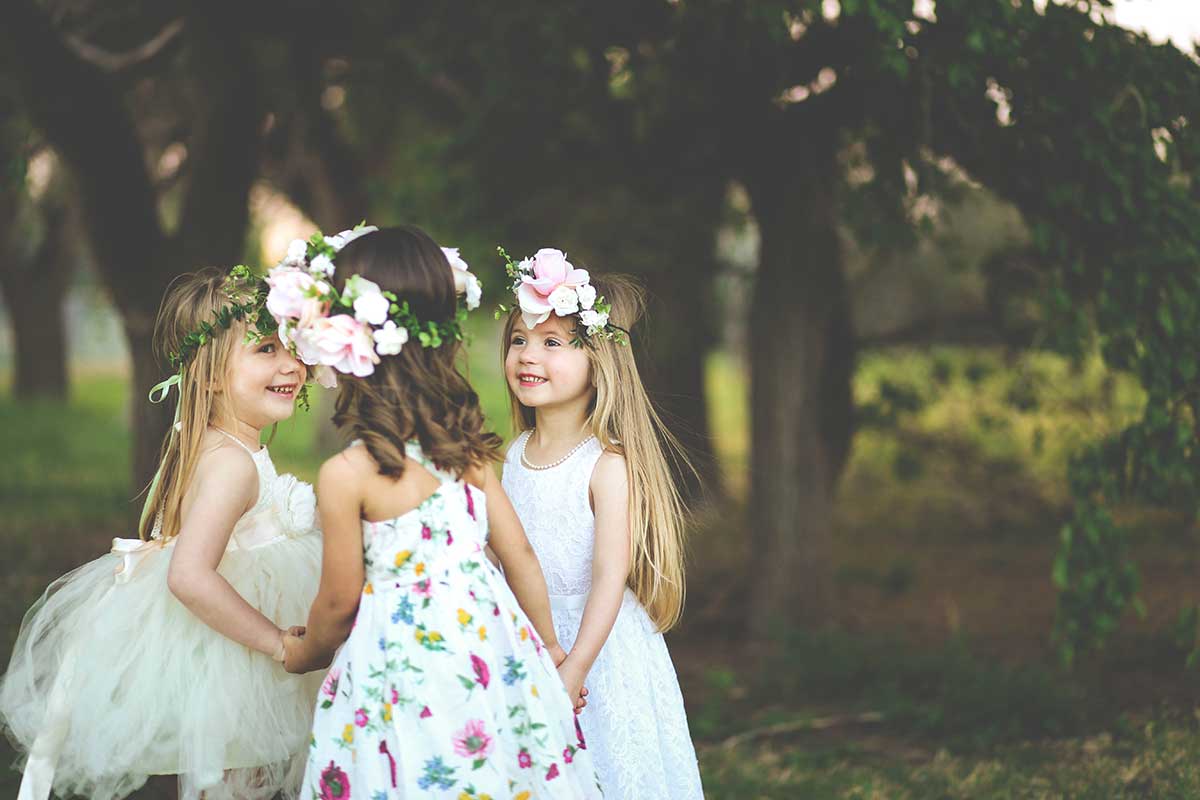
x=158, y=394
x=163, y=389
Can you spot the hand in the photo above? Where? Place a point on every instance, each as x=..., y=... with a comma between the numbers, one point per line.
x=297, y=631
x=573, y=679
x=295, y=659
x=557, y=653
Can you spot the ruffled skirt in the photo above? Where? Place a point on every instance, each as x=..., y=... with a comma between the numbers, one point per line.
x=113, y=680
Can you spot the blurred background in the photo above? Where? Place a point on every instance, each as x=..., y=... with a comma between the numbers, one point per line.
x=925, y=310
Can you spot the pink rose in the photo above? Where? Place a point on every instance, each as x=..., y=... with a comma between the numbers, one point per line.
x=288, y=293
x=341, y=342
x=473, y=741
x=551, y=272
x=325, y=376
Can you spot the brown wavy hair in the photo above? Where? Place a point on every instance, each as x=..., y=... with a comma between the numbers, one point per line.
x=624, y=420
x=418, y=393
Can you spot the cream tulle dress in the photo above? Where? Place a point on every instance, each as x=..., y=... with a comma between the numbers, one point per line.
x=112, y=679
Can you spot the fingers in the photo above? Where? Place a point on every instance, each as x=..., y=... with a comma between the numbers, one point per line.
x=296, y=630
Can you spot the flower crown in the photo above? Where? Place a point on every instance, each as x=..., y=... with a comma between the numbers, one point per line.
x=546, y=282
x=247, y=294
x=348, y=331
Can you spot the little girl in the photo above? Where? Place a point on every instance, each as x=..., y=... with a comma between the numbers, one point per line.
x=161, y=658
x=443, y=686
x=590, y=482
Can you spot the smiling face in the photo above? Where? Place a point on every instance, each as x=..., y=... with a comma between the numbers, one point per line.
x=543, y=368
x=263, y=379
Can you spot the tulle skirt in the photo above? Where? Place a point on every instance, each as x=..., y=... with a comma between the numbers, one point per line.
x=112, y=680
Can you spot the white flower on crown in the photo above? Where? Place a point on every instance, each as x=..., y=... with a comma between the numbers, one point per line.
x=296, y=253
x=370, y=305
x=390, y=339
x=322, y=264
x=565, y=301
x=593, y=319
x=465, y=282
x=587, y=296
x=340, y=240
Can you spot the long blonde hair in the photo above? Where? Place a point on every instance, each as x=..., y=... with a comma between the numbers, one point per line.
x=623, y=420
x=191, y=300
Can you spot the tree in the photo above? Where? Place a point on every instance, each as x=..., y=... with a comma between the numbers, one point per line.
x=80, y=109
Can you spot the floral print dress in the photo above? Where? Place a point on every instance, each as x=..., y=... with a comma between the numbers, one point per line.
x=443, y=689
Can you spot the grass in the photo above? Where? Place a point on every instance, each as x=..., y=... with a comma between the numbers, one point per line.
x=945, y=528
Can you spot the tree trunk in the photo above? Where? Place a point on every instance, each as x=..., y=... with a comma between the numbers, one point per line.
x=35, y=293
x=681, y=331
x=801, y=363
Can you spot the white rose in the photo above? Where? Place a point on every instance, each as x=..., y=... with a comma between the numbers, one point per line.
x=564, y=300
x=593, y=319
x=322, y=264
x=322, y=288
x=371, y=308
x=587, y=295
x=474, y=292
x=389, y=339
x=349, y=236
x=455, y=259
x=296, y=252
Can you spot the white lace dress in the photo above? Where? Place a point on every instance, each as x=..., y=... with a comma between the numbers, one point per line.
x=634, y=723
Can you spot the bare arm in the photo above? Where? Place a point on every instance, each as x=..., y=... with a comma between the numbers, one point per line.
x=611, y=562
x=333, y=610
x=507, y=539
x=225, y=487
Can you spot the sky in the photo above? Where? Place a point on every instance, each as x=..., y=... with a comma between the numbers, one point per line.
x=1176, y=20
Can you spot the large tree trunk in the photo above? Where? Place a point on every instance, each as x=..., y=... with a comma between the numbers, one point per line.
x=801, y=363
x=83, y=115
x=34, y=291
x=681, y=331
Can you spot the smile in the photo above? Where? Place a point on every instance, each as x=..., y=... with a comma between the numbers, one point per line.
x=530, y=380
x=287, y=390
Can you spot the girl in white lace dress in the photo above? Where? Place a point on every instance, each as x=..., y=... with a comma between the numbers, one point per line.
x=156, y=659
x=590, y=482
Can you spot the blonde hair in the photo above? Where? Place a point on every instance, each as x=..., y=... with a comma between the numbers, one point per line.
x=191, y=300
x=623, y=420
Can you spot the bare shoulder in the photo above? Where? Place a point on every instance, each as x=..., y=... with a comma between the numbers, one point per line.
x=610, y=472
x=226, y=472
x=224, y=459
x=351, y=465
x=479, y=475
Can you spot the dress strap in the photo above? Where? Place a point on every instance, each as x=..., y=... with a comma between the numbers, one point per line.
x=412, y=449
x=229, y=435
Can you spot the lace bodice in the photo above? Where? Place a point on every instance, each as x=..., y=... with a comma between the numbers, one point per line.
x=556, y=513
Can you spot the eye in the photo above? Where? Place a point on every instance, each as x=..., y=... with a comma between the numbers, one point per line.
x=267, y=347
x=552, y=342
x=518, y=339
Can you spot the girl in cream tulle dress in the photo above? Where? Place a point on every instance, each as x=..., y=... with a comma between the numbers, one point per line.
x=163, y=656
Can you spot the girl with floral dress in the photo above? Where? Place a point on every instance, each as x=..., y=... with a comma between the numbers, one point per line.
x=589, y=479
x=444, y=686
x=161, y=657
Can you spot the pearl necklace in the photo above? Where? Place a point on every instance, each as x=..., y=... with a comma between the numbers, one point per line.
x=539, y=467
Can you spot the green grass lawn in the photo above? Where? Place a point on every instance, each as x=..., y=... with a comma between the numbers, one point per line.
x=945, y=528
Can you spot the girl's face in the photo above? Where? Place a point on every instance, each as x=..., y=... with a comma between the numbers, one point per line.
x=542, y=367
x=264, y=379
